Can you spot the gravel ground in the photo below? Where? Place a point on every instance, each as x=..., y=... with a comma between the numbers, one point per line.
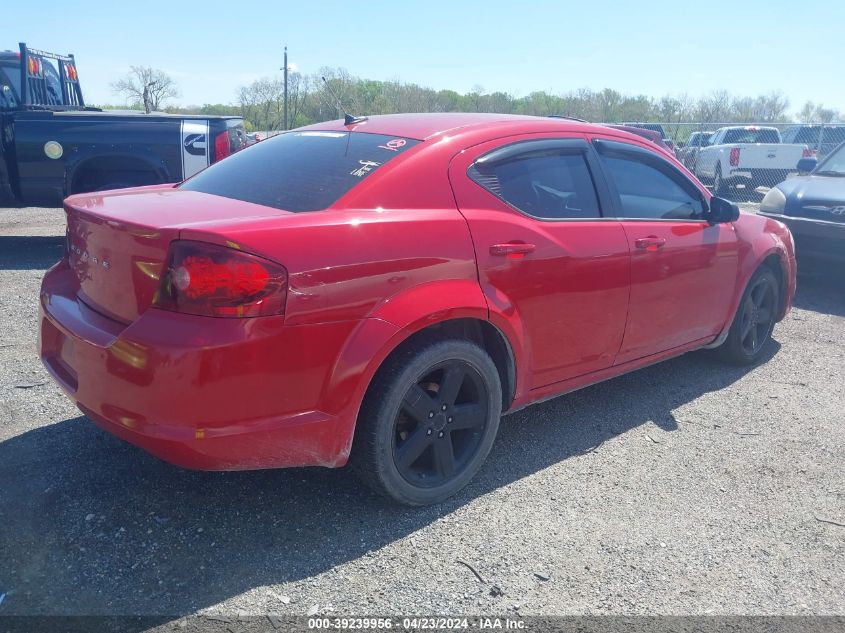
x=684, y=488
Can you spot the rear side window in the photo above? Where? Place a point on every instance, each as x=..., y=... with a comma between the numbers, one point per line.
x=553, y=186
x=299, y=171
x=10, y=80
x=649, y=189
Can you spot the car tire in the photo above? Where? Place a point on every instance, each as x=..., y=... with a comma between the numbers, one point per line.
x=428, y=421
x=754, y=321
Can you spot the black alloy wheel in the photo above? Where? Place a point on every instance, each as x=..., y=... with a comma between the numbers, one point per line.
x=758, y=314
x=428, y=420
x=440, y=424
x=754, y=320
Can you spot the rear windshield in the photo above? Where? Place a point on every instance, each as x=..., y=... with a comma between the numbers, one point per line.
x=752, y=135
x=299, y=171
x=700, y=139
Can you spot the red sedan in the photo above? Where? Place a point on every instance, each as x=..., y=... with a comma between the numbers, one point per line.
x=381, y=292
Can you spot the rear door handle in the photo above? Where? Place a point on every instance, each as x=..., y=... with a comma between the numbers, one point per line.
x=650, y=243
x=511, y=248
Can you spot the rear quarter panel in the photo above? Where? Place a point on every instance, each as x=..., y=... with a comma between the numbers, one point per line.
x=392, y=259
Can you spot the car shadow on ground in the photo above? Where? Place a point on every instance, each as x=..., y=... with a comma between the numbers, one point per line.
x=821, y=288
x=94, y=525
x=30, y=252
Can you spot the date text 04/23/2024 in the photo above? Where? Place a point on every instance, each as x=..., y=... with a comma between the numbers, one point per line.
x=417, y=623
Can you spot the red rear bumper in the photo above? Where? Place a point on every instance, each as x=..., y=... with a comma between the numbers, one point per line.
x=199, y=392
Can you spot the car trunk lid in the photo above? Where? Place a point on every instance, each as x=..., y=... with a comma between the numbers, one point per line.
x=118, y=242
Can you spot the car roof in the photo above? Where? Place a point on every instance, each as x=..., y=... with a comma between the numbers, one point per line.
x=422, y=126
x=815, y=125
x=749, y=127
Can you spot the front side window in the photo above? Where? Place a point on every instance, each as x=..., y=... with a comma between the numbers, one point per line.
x=649, y=190
x=548, y=185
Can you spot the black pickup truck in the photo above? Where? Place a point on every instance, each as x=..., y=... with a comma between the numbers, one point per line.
x=52, y=145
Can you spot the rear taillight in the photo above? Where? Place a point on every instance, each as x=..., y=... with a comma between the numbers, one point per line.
x=221, y=146
x=34, y=66
x=211, y=280
x=734, y=157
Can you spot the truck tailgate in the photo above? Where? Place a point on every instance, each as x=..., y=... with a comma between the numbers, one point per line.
x=769, y=156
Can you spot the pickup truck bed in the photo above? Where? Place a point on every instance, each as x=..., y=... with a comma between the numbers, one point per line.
x=109, y=150
x=55, y=146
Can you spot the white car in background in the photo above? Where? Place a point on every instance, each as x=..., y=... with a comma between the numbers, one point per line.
x=747, y=157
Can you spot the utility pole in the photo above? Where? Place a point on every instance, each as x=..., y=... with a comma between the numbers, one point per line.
x=286, y=88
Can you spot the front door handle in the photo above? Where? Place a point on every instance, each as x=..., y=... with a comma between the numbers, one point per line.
x=512, y=249
x=650, y=243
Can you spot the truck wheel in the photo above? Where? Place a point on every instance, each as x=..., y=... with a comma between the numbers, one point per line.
x=428, y=421
x=99, y=175
x=719, y=186
x=754, y=320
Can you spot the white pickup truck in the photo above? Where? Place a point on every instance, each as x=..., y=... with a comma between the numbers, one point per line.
x=747, y=157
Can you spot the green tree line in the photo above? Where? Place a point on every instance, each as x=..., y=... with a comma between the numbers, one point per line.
x=311, y=99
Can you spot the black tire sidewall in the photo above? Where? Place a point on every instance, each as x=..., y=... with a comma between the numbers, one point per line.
x=391, y=396
x=718, y=182
x=733, y=348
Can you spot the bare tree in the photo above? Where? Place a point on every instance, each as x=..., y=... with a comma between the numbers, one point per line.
x=298, y=88
x=714, y=108
x=476, y=97
x=262, y=102
x=608, y=102
x=148, y=86
x=770, y=108
x=817, y=113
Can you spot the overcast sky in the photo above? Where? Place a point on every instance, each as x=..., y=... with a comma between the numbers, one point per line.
x=655, y=48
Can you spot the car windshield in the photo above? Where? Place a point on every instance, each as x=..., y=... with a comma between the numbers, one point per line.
x=752, y=135
x=834, y=163
x=299, y=171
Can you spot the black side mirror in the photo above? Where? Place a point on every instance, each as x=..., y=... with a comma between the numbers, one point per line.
x=806, y=165
x=722, y=210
